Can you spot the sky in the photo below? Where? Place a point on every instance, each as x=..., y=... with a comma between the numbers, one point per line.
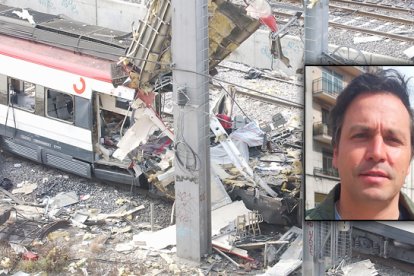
x=408, y=71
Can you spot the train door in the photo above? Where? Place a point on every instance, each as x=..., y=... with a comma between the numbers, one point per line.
x=111, y=121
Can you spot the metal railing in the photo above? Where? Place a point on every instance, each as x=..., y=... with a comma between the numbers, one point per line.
x=326, y=86
x=321, y=128
x=326, y=172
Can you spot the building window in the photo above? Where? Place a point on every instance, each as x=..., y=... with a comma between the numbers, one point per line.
x=22, y=94
x=325, y=121
x=327, y=163
x=59, y=105
x=325, y=116
x=332, y=81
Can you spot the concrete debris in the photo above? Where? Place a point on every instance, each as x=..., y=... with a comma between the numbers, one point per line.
x=99, y=217
x=291, y=259
x=125, y=247
x=117, y=230
x=80, y=217
x=365, y=39
x=20, y=273
x=362, y=268
x=63, y=199
x=25, y=188
x=409, y=52
x=157, y=240
x=166, y=258
x=30, y=212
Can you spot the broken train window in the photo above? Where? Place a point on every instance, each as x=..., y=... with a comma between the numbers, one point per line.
x=22, y=94
x=59, y=105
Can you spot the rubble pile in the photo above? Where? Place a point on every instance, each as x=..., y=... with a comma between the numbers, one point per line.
x=70, y=230
x=93, y=227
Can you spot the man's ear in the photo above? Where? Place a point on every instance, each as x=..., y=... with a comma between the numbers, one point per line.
x=335, y=157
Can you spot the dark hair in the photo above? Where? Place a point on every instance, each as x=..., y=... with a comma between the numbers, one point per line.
x=389, y=81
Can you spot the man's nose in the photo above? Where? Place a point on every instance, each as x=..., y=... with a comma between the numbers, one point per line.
x=376, y=149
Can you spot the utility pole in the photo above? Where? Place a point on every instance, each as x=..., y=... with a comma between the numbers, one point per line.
x=192, y=128
x=316, y=43
x=316, y=30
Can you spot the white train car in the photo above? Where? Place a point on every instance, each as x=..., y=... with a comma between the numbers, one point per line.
x=60, y=108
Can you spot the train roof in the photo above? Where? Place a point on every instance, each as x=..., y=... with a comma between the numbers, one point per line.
x=53, y=57
x=64, y=33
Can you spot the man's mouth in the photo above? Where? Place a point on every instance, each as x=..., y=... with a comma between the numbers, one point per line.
x=375, y=174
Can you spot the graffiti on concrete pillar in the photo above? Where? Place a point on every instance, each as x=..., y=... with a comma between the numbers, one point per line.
x=70, y=5
x=48, y=4
x=185, y=206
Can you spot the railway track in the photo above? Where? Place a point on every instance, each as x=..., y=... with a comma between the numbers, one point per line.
x=256, y=93
x=363, y=28
x=261, y=96
x=374, y=15
x=386, y=261
x=264, y=76
x=377, y=6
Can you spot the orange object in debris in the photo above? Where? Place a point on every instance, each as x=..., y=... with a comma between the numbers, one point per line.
x=30, y=256
x=269, y=21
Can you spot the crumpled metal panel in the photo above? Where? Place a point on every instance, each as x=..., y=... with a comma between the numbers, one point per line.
x=228, y=27
x=149, y=54
x=273, y=210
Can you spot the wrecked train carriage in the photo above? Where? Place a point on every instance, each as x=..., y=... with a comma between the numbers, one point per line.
x=61, y=109
x=69, y=114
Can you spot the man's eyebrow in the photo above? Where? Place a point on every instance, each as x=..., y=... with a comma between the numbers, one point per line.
x=364, y=128
x=359, y=127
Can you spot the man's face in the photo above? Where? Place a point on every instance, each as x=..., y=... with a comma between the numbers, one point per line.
x=374, y=150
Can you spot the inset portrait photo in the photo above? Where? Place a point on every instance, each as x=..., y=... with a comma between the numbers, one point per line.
x=359, y=143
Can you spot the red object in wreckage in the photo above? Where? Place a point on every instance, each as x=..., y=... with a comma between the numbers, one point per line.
x=269, y=21
x=225, y=121
x=30, y=256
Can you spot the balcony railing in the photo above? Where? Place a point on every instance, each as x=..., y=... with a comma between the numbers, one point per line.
x=323, y=85
x=331, y=172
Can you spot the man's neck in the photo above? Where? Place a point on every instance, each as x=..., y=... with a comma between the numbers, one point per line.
x=368, y=210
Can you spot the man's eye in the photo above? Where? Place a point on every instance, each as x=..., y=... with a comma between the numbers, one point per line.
x=360, y=135
x=393, y=140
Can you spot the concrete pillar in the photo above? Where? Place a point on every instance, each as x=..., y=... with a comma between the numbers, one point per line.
x=191, y=126
x=316, y=31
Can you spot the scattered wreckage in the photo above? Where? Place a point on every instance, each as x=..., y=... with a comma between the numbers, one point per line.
x=26, y=227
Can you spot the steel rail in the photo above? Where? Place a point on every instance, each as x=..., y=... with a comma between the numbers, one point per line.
x=371, y=5
x=359, y=29
x=372, y=32
x=376, y=15
x=265, y=75
x=264, y=97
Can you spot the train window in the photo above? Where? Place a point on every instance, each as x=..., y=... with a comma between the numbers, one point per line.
x=59, y=105
x=83, y=116
x=3, y=89
x=22, y=94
